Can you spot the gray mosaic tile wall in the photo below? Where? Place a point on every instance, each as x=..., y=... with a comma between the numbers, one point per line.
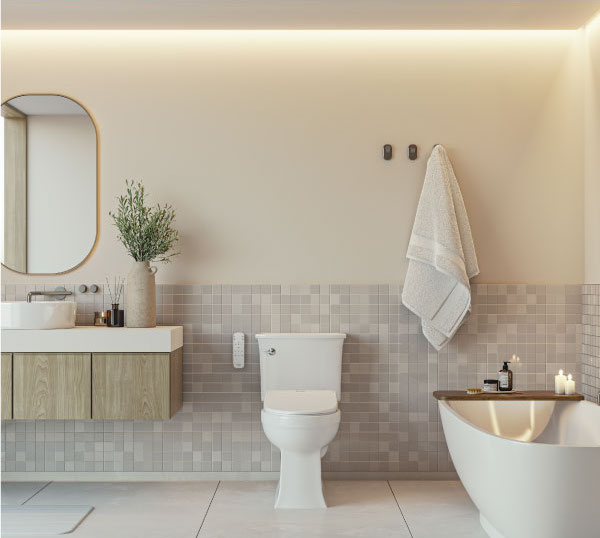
x=390, y=421
x=590, y=350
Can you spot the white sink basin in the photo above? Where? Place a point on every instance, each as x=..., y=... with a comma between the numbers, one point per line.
x=38, y=315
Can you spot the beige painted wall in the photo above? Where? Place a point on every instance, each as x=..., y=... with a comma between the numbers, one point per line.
x=592, y=152
x=269, y=144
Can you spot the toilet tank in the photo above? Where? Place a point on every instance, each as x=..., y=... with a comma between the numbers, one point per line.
x=301, y=361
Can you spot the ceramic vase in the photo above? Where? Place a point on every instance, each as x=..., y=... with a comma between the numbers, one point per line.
x=140, y=296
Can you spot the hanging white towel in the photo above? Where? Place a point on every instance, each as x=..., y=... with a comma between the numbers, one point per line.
x=441, y=254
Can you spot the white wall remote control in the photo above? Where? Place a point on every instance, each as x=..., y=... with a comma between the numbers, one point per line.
x=238, y=350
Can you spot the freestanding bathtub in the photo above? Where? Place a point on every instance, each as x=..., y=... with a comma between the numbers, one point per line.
x=532, y=468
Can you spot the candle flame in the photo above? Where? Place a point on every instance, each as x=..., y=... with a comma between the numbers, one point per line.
x=570, y=377
x=560, y=372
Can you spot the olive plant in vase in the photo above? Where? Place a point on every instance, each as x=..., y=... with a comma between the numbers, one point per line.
x=148, y=235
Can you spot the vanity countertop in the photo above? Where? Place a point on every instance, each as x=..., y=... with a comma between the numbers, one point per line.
x=512, y=396
x=89, y=339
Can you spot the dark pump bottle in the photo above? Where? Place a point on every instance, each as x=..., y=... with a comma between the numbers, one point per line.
x=505, y=378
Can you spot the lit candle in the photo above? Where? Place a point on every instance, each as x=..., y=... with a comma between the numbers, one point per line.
x=570, y=385
x=559, y=383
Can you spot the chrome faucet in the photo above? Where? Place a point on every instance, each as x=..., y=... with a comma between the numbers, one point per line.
x=58, y=293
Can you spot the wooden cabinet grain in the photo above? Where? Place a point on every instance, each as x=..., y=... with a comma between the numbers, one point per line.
x=6, y=374
x=91, y=385
x=52, y=386
x=136, y=385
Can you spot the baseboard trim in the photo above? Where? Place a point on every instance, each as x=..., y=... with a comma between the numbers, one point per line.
x=207, y=476
x=420, y=475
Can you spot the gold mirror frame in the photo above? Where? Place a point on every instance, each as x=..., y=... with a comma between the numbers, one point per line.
x=95, y=243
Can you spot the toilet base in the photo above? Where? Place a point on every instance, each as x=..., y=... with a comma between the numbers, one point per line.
x=302, y=441
x=300, y=485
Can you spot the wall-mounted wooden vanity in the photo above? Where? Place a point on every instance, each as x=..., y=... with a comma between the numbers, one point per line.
x=92, y=373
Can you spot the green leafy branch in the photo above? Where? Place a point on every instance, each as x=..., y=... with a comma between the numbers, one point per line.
x=146, y=232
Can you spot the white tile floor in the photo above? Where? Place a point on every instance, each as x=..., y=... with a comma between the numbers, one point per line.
x=370, y=509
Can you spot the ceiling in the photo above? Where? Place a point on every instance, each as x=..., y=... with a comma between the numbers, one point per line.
x=297, y=14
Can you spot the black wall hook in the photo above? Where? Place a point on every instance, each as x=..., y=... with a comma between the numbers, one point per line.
x=413, y=152
x=387, y=152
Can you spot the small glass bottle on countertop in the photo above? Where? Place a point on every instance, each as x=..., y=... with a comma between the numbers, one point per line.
x=505, y=378
x=116, y=317
x=101, y=318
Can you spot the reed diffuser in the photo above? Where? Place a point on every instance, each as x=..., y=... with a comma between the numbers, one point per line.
x=116, y=317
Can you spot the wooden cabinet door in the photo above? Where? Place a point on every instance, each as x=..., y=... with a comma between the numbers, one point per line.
x=131, y=386
x=52, y=385
x=6, y=374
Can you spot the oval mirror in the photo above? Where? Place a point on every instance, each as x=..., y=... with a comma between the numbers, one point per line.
x=50, y=184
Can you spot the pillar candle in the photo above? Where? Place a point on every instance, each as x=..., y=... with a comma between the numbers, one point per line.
x=570, y=385
x=559, y=383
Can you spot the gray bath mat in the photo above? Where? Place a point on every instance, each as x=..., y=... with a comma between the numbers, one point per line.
x=42, y=520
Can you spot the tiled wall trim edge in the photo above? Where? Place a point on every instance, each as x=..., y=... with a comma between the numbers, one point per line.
x=187, y=476
x=590, y=341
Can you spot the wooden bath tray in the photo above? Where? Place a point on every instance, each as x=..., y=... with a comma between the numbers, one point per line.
x=520, y=395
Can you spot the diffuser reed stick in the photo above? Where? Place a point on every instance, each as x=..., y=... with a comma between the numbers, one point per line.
x=116, y=292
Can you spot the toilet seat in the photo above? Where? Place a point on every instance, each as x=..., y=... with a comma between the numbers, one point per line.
x=301, y=402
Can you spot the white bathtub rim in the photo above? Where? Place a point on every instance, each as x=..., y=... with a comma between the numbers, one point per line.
x=458, y=416
x=489, y=529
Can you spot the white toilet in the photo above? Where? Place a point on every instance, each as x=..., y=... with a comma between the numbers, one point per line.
x=300, y=382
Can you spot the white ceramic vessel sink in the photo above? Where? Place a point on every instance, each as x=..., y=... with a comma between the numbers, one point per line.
x=38, y=315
